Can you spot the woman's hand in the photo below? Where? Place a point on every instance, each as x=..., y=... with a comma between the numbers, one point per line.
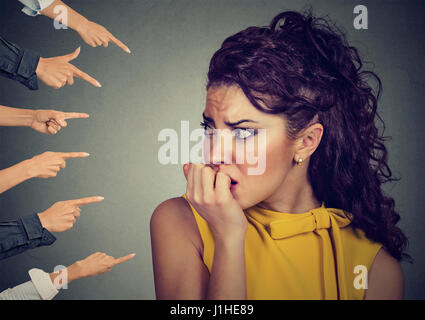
x=96, y=35
x=57, y=71
x=48, y=164
x=209, y=193
x=62, y=215
x=51, y=121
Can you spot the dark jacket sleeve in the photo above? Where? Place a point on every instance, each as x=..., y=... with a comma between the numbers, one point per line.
x=18, y=64
x=22, y=234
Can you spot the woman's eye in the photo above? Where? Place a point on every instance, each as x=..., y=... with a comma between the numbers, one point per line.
x=243, y=133
x=208, y=131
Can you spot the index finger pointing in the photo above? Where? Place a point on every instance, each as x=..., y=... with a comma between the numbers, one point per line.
x=83, y=201
x=69, y=155
x=80, y=74
x=119, y=43
x=124, y=259
x=75, y=115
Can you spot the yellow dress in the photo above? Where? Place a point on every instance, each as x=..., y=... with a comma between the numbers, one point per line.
x=311, y=255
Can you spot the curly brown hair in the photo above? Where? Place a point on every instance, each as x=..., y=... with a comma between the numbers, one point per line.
x=302, y=67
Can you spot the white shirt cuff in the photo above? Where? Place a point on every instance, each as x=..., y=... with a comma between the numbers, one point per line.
x=33, y=7
x=43, y=284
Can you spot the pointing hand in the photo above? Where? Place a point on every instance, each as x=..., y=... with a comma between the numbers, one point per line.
x=58, y=71
x=62, y=215
x=51, y=121
x=48, y=164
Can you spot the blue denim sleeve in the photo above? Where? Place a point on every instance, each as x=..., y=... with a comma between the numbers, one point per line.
x=19, y=64
x=22, y=234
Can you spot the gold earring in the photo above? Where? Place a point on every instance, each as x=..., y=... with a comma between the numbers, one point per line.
x=299, y=161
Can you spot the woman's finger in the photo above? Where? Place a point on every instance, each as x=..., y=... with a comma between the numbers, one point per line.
x=189, y=187
x=197, y=182
x=207, y=182
x=222, y=186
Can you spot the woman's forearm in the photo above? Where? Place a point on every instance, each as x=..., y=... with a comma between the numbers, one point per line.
x=74, y=20
x=14, y=175
x=228, y=276
x=14, y=117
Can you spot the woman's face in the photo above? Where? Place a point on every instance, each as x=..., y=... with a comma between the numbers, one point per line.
x=227, y=107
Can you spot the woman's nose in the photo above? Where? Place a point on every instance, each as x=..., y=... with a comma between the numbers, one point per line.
x=218, y=147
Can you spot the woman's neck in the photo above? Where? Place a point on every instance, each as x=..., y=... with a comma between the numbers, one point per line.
x=294, y=195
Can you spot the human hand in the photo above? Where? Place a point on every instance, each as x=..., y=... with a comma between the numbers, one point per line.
x=48, y=164
x=62, y=215
x=95, y=264
x=57, y=71
x=96, y=35
x=51, y=121
x=209, y=193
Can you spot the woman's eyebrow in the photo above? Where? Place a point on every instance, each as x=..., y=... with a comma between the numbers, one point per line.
x=233, y=124
x=229, y=124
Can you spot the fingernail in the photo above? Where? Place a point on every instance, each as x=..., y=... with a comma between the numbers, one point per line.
x=98, y=84
x=128, y=50
x=100, y=198
x=86, y=154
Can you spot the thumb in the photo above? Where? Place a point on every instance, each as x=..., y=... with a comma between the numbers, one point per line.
x=73, y=55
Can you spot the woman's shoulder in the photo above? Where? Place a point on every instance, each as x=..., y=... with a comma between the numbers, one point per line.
x=175, y=216
x=385, y=278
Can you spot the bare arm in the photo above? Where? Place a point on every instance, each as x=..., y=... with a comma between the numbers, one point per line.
x=228, y=279
x=45, y=165
x=14, y=175
x=75, y=20
x=95, y=264
x=179, y=271
x=14, y=117
x=92, y=33
x=385, y=279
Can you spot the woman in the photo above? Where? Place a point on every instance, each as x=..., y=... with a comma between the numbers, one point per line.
x=316, y=223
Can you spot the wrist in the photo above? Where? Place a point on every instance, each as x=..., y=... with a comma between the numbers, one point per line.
x=75, y=272
x=234, y=235
x=81, y=25
x=44, y=221
x=31, y=117
x=62, y=277
x=231, y=241
x=39, y=69
x=26, y=169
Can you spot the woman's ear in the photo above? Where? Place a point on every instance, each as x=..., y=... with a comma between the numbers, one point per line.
x=308, y=141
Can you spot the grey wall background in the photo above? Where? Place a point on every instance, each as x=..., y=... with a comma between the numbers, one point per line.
x=157, y=86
